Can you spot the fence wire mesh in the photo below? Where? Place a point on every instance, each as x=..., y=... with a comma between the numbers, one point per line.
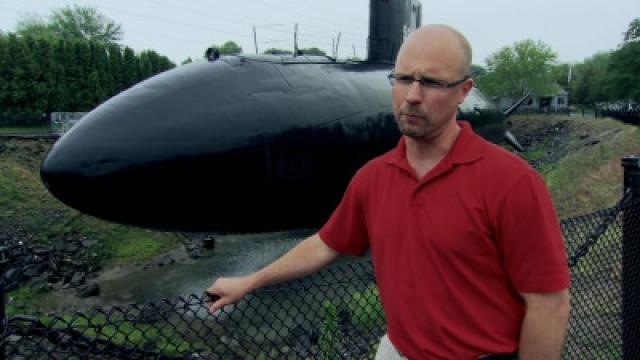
x=336, y=313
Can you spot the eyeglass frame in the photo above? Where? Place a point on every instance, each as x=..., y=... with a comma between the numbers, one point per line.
x=427, y=82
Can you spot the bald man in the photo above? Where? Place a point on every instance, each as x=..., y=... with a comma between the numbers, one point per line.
x=465, y=242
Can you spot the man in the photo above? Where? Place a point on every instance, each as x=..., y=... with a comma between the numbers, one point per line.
x=466, y=245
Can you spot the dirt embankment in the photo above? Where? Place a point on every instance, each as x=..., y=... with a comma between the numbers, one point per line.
x=579, y=157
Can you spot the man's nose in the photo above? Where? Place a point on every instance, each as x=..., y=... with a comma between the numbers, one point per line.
x=414, y=94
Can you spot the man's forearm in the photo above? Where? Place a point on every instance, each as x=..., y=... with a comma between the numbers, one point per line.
x=305, y=258
x=544, y=328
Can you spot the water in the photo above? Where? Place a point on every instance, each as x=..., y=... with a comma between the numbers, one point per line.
x=233, y=255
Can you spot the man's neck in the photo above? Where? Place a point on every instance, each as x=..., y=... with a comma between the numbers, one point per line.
x=424, y=153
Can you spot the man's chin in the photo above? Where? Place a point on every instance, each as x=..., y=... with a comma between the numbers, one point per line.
x=411, y=131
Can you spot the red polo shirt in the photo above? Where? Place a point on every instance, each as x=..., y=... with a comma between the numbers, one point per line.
x=452, y=250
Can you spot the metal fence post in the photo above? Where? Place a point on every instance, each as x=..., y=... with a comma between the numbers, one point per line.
x=631, y=263
x=4, y=260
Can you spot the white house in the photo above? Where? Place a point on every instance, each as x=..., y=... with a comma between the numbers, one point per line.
x=556, y=101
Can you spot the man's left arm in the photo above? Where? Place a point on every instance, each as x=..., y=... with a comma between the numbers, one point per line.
x=545, y=325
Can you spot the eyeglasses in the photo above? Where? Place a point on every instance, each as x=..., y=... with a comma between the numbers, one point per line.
x=425, y=82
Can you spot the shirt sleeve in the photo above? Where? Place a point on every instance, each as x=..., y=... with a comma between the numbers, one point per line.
x=346, y=229
x=530, y=239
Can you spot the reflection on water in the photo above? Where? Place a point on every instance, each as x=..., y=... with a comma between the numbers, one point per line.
x=233, y=255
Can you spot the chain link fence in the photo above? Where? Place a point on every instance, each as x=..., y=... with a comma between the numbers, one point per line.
x=336, y=313
x=630, y=116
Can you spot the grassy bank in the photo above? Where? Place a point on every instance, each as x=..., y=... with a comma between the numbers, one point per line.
x=22, y=130
x=589, y=176
x=27, y=209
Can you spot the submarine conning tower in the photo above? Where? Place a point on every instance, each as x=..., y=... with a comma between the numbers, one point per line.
x=390, y=21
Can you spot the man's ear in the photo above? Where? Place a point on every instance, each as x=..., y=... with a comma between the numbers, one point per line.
x=466, y=88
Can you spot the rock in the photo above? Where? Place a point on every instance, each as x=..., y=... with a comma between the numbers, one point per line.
x=41, y=287
x=42, y=251
x=208, y=242
x=18, y=305
x=71, y=248
x=31, y=272
x=78, y=264
x=54, y=278
x=88, y=290
x=13, y=275
x=88, y=243
x=78, y=279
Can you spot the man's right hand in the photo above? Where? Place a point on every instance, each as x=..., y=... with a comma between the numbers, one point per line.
x=230, y=290
x=307, y=257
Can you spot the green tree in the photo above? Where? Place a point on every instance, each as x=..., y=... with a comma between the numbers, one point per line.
x=477, y=71
x=19, y=64
x=560, y=74
x=158, y=62
x=115, y=68
x=188, y=60
x=41, y=71
x=163, y=64
x=146, y=67
x=274, y=51
x=129, y=68
x=84, y=22
x=33, y=25
x=100, y=78
x=313, y=51
x=524, y=67
x=60, y=100
x=624, y=67
x=82, y=98
x=633, y=32
x=4, y=73
x=228, y=48
x=592, y=79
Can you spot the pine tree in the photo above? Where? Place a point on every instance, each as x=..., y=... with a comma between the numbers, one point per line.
x=60, y=100
x=4, y=74
x=18, y=100
x=115, y=69
x=83, y=97
x=129, y=68
x=146, y=69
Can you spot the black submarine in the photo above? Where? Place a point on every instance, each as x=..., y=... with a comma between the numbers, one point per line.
x=244, y=143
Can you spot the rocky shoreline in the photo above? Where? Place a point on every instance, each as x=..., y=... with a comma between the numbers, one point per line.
x=66, y=268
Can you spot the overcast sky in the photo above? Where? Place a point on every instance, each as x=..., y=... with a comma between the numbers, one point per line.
x=575, y=29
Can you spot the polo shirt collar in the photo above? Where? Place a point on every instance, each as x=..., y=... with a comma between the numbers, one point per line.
x=467, y=148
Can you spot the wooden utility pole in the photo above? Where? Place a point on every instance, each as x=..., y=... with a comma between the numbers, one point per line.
x=255, y=39
x=295, y=40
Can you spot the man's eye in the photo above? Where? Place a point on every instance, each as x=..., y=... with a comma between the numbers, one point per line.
x=405, y=79
x=426, y=82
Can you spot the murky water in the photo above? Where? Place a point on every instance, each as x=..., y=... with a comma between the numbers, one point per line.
x=233, y=255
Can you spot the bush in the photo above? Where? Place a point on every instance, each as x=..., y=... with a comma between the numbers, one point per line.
x=23, y=119
x=366, y=310
x=331, y=337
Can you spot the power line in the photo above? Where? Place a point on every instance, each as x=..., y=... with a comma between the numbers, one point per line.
x=318, y=36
